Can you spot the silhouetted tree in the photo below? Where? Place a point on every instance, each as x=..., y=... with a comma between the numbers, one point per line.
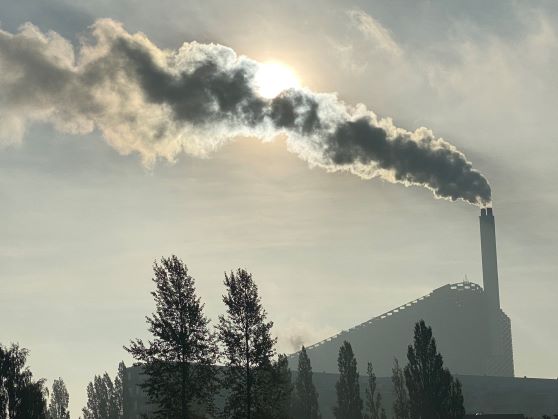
x=373, y=403
x=248, y=347
x=179, y=361
x=275, y=389
x=21, y=397
x=59, y=399
x=122, y=390
x=103, y=399
x=349, y=403
x=433, y=392
x=455, y=403
x=305, y=397
x=401, y=402
x=33, y=403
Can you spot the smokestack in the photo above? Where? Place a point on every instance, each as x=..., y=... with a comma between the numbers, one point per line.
x=489, y=260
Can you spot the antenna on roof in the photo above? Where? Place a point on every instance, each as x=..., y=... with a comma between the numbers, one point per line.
x=466, y=280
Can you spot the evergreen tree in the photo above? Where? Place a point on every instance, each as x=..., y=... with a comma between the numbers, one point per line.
x=433, y=392
x=179, y=361
x=305, y=397
x=248, y=347
x=373, y=400
x=21, y=397
x=349, y=403
x=401, y=402
x=59, y=399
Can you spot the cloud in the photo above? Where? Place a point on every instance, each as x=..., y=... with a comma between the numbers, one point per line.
x=159, y=103
x=374, y=32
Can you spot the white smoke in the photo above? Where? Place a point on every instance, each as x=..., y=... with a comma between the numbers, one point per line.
x=159, y=103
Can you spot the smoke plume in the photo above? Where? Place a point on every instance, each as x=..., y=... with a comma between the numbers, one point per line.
x=159, y=103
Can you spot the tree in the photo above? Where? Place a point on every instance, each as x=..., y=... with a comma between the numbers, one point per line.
x=107, y=399
x=349, y=403
x=433, y=392
x=122, y=391
x=21, y=397
x=275, y=385
x=374, y=408
x=33, y=403
x=455, y=404
x=59, y=399
x=401, y=402
x=103, y=399
x=179, y=361
x=305, y=397
x=248, y=347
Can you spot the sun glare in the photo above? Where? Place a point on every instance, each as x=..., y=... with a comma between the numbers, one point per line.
x=272, y=78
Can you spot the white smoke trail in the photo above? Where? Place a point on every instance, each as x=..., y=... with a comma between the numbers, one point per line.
x=159, y=103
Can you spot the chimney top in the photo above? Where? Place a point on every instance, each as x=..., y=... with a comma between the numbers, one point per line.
x=486, y=212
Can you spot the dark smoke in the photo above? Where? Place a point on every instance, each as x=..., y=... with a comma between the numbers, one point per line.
x=160, y=103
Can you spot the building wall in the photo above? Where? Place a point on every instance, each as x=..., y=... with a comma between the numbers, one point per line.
x=490, y=395
x=532, y=397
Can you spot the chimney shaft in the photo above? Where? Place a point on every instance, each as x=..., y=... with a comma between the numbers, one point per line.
x=489, y=260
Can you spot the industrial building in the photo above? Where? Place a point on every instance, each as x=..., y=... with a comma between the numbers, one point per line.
x=471, y=330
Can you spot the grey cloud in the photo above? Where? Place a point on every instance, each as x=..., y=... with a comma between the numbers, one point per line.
x=159, y=103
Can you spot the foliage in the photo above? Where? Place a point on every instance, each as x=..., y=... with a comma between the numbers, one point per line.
x=401, y=402
x=349, y=403
x=305, y=397
x=59, y=399
x=374, y=409
x=20, y=396
x=179, y=361
x=455, y=404
x=104, y=399
x=433, y=392
x=122, y=388
x=248, y=347
x=275, y=389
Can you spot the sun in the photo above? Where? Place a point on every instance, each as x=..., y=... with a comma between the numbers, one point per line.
x=272, y=78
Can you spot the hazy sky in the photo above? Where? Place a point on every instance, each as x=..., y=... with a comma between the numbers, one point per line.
x=82, y=224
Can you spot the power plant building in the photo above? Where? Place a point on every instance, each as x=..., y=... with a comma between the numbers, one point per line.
x=472, y=333
x=471, y=330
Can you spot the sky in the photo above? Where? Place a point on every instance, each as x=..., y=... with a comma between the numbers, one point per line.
x=82, y=223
